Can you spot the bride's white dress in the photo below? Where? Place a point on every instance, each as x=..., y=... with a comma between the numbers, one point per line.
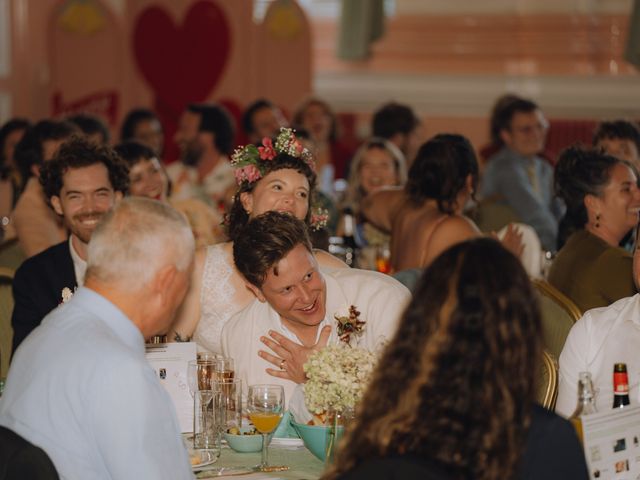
x=218, y=299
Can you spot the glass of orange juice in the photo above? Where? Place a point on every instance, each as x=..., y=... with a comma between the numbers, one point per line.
x=265, y=406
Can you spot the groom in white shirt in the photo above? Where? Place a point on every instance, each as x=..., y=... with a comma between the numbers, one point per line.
x=297, y=304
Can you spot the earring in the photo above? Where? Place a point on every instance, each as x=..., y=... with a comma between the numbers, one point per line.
x=597, y=220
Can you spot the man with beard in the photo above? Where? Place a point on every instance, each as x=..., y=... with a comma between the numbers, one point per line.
x=82, y=183
x=205, y=137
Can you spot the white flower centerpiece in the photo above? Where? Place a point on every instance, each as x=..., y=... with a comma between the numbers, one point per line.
x=337, y=378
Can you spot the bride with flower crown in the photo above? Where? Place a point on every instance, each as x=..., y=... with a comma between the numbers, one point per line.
x=277, y=177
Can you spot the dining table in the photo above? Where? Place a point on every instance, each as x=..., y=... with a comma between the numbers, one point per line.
x=301, y=462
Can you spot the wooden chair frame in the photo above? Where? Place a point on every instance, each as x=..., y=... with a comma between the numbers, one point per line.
x=551, y=391
x=548, y=290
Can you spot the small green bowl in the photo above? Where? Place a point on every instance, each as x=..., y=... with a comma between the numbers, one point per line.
x=245, y=443
x=315, y=437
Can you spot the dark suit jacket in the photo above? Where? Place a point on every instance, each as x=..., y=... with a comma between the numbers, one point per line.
x=37, y=288
x=552, y=451
x=20, y=459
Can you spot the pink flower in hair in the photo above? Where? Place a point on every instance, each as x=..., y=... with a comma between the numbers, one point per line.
x=267, y=152
x=250, y=173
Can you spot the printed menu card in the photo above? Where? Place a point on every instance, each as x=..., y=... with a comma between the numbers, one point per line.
x=170, y=361
x=612, y=443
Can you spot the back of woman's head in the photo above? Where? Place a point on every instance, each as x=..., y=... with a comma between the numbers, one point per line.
x=440, y=170
x=455, y=385
x=579, y=172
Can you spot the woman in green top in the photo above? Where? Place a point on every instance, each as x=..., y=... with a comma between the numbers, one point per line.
x=603, y=200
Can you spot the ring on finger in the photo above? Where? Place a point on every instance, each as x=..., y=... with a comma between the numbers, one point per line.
x=282, y=364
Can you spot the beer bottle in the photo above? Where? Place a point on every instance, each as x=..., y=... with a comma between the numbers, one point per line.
x=620, y=385
x=586, y=402
x=348, y=236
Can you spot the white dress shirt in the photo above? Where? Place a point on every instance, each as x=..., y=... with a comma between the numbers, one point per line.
x=79, y=265
x=80, y=388
x=379, y=298
x=602, y=337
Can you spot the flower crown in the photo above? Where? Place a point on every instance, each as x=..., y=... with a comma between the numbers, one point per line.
x=250, y=162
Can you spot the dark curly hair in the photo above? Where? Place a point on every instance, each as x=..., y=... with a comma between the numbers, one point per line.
x=578, y=173
x=238, y=217
x=266, y=240
x=77, y=153
x=456, y=384
x=440, y=170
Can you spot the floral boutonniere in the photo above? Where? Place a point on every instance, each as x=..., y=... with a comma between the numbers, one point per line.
x=349, y=324
x=67, y=293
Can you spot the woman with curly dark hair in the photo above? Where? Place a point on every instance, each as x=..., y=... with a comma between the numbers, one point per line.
x=452, y=397
x=603, y=201
x=426, y=217
x=276, y=176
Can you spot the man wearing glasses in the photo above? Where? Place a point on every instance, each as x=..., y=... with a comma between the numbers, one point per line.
x=517, y=176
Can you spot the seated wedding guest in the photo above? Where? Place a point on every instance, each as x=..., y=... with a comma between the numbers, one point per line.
x=36, y=224
x=262, y=119
x=601, y=338
x=425, y=218
x=377, y=164
x=518, y=177
x=294, y=313
x=603, y=201
x=400, y=125
x=147, y=178
x=80, y=386
x=92, y=127
x=495, y=141
x=82, y=183
x=10, y=179
x=620, y=139
x=331, y=155
x=453, y=394
x=284, y=180
x=144, y=126
x=205, y=136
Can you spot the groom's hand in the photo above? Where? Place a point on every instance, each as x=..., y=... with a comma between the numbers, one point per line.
x=289, y=357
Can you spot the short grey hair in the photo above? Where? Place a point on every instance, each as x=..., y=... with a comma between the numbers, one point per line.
x=135, y=240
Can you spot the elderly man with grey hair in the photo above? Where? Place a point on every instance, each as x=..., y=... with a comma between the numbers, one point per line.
x=79, y=386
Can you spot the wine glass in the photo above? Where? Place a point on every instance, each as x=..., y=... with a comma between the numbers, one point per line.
x=265, y=406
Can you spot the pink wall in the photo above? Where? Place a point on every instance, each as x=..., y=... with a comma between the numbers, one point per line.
x=163, y=54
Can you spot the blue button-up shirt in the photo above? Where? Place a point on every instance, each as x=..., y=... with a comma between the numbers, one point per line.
x=81, y=389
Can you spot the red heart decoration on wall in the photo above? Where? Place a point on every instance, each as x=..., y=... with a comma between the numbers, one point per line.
x=183, y=63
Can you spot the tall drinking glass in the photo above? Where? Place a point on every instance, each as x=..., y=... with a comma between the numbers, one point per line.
x=201, y=377
x=265, y=406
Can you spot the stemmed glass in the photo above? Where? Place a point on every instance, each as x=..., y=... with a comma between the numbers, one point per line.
x=265, y=406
